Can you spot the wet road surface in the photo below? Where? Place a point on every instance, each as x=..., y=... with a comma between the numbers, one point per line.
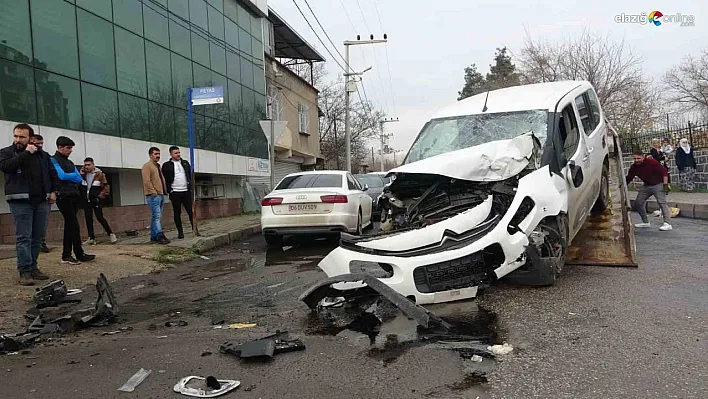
x=600, y=332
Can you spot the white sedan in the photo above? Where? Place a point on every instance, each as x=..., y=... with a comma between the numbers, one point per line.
x=315, y=203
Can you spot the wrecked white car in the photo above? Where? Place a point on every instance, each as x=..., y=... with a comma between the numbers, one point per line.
x=496, y=184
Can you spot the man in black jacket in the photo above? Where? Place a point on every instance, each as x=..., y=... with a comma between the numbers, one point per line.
x=38, y=141
x=68, y=199
x=29, y=190
x=178, y=176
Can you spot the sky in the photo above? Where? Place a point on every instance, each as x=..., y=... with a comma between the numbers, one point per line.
x=421, y=67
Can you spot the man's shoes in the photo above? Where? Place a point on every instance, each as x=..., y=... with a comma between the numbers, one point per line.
x=90, y=241
x=37, y=275
x=180, y=235
x=163, y=240
x=114, y=239
x=26, y=279
x=642, y=225
x=45, y=249
x=86, y=258
x=70, y=260
x=666, y=227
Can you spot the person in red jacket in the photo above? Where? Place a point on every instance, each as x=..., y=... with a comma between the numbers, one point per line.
x=656, y=184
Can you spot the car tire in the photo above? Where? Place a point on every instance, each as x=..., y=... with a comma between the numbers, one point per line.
x=603, y=199
x=274, y=240
x=359, y=222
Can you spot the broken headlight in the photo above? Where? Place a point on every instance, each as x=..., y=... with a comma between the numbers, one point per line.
x=524, y=210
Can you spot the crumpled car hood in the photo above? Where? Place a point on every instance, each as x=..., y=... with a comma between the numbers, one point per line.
x=492, y=161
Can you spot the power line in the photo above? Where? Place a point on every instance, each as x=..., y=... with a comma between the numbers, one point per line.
x=318, y=37
x=388, y=61
x=348, y=16
x=363, y=17
x=327, y=35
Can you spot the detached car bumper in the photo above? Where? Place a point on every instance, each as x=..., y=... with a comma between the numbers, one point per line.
x=449, y=260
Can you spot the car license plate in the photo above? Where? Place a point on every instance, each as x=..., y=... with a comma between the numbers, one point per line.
x=302, y=207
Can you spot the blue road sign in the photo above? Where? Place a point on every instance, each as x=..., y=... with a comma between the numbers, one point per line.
x=207, y=95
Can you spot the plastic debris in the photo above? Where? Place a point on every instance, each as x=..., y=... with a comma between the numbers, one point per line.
x=180, y=323
x=477, y=358
x=204, y=257
x=138, y=287
x=501, y=349
x=236, y=326
x=209, y=387
x=135, y=380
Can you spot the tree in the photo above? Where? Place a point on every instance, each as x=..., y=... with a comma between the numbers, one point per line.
x=629, y=99
x=687, y=83
x=363, y=118
x=502, y=74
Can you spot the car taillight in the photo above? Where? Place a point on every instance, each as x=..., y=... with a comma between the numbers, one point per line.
x=334, y=199
x=271, y=201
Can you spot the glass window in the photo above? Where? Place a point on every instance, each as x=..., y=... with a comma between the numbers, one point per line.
x=218, y=4
x=58, y=101
x=129, y=14
x=245, y=39
x=594, y=107
x=100, y=108
x=96, y=52
x=198, y=13
x=181, y=133
x=218, y=136
x=156, y=27
x=216, y=23
x=134, y=122
x=17, y=95
x=325, y=180
x=231, y=33
x=102, y=8
x=259, y=78
x=235, y=105
x=15, y=38
x=256, y=28
x=181, y=79
x=130, y=63
x=238, y=139
x=159, y=73
x=180, y=8
x=218, y=58
x=244, y=18
x=54, y=35
x=233, y=65
x=179, y=38
x=260, y=149
x=246, y=73
x=248, y=113
x=162, y=123
x=231, y=10
x=570, y=132
x=583, y=111
x=200, y=48
x=220, y=111
x=162, y=2
x=373, y=181
x=256, y=49
x=202, y=76
x=260, y=105
x=200, y=130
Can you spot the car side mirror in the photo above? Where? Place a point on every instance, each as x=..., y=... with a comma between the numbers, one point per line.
x=366, y=187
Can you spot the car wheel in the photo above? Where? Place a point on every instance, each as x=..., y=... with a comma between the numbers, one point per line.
x=359, y=229
x=603, y=200
x=274, y=240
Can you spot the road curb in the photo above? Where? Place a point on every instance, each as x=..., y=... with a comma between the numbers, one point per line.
x=220, y=240
x=691, y=211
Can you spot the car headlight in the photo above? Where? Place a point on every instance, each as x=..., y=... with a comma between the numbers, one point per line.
x=527, y=205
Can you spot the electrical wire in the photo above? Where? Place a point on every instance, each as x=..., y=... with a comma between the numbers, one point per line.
x=318, y=37
x=388, y=61
x=327, y=35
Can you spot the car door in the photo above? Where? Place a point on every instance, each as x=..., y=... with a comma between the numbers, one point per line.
x=576, y=166
x=358, y=196
x=594, y=136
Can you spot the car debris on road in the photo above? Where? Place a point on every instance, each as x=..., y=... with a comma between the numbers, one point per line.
x=264, y=348
x=135, y=380
x=209, y=387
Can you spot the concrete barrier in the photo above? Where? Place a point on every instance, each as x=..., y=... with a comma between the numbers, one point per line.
x=691, y=211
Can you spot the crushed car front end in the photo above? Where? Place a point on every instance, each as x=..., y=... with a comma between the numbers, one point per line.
x=445, y=234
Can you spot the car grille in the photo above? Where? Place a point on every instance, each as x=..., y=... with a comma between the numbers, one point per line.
x=464, y=272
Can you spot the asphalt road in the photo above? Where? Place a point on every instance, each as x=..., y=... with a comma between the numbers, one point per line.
x=599, y=333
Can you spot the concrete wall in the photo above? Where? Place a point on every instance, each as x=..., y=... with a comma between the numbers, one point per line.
x=701, y=170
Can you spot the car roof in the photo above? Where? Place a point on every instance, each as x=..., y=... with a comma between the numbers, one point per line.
x=319, y=172
x=537, y=96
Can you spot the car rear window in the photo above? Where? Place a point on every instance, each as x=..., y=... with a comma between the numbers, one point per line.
x=311, y=181
x=372, y=181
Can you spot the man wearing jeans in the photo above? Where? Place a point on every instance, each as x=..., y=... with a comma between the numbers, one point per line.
x=178, y=176
x=155, y=188
x=29, y=189
x=655, y=179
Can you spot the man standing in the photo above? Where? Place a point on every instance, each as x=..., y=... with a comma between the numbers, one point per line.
x=68, y=197
x=38, y=141
x=154, y=188
x=178, y=179
x=655, y=179
x=29, y=190
x=94, y=189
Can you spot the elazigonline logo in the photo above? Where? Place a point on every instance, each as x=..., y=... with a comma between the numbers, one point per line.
x=656, y=18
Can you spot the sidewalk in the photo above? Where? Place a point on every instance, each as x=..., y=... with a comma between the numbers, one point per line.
x=692, y=205
x=213, y=233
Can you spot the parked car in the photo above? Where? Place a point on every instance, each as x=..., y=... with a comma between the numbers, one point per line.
x=315, y=203
x=375, y=185
x=495, y=184
x=386, y=179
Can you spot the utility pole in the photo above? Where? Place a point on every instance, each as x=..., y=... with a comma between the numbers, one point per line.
x=350, y=87
x=384, y=136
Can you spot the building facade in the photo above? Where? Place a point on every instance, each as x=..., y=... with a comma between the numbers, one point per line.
x=113, y=75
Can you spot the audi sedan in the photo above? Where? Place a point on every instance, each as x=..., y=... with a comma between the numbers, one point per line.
x=317, y=203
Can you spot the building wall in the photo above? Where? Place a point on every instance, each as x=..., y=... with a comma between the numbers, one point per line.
x=294, y=91
x=113, y=75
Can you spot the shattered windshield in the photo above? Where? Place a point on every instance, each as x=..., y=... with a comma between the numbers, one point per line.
x=449, y=134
